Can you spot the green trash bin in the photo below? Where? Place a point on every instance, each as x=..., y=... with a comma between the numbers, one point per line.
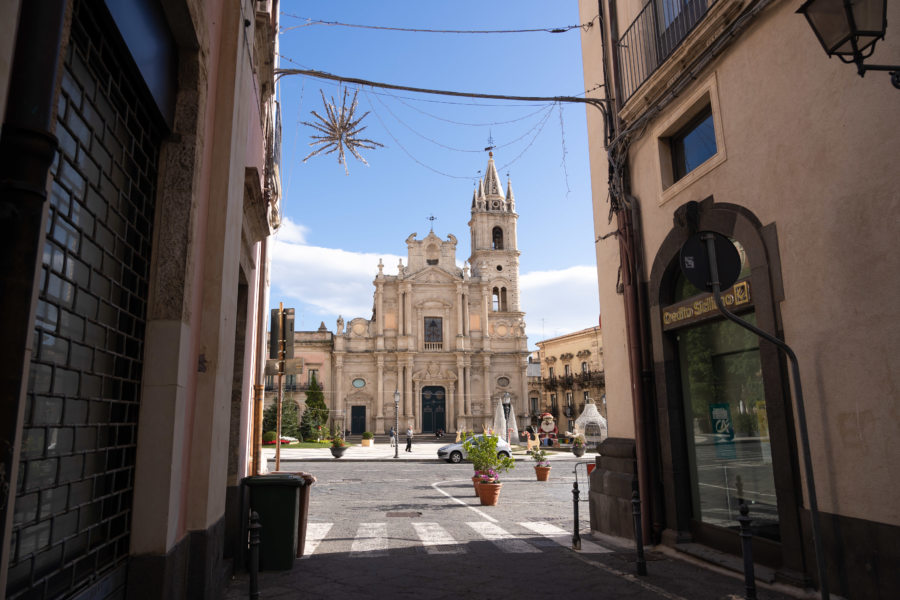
x=276, y=499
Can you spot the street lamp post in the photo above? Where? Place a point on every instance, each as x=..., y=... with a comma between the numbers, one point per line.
x=506, y=409
x=396, y=423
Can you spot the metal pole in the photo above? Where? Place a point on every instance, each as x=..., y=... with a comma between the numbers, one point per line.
x=576, y=537
x=747, y=551
x=638, y=532
x=801, y=412
x=280, y=399
x=254, y=555
x=396, y=423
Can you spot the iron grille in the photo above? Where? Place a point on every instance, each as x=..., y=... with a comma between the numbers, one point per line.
x=73, y=502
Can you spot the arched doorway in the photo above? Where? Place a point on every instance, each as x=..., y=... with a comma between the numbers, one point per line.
x=434, y=409
x=723, y=409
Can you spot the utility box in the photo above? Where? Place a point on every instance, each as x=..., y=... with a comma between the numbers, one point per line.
x=278, y=500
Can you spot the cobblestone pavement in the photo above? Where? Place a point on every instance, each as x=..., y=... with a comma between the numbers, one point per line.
x=413, y=528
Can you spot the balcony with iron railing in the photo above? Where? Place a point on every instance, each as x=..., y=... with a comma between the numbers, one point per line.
x=657, y=31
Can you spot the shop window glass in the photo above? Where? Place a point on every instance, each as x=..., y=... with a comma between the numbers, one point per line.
x=727, y=427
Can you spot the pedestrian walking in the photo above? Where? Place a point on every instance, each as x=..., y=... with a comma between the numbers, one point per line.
x=393, y=437
x=409, y=436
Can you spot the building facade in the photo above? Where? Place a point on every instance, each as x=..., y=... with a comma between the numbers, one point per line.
x=450, y=341
x=571, y=373
x=139, y=186
x=725, y=116
x=311, y=360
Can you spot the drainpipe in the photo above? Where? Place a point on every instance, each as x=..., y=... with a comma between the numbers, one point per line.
x=259, y=376
x=635, y=323
x=27, y=147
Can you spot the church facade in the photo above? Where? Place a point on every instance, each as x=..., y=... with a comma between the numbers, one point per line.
x=450, y=341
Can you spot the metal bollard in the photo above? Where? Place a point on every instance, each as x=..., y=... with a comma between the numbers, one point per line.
x=254, y=555
x=747, y=550
x=576, y=537
x=638, y=533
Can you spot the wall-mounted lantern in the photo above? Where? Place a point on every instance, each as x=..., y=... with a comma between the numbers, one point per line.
x=849, y=29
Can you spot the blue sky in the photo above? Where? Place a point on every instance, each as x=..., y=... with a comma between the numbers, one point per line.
x=338, y=226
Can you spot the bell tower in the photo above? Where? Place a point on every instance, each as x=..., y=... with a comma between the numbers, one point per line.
x=495, y=255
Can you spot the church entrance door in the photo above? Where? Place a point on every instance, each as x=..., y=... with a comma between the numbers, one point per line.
x=434, y=409
x=357, y=420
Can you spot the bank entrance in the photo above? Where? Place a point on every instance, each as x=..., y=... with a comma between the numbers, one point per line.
x=722, y=424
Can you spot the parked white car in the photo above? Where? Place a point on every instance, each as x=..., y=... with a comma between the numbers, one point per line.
x=456, y=453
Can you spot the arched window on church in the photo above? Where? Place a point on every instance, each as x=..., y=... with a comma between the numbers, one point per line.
x=497, y=237
x=495, y=299
x=503, y=305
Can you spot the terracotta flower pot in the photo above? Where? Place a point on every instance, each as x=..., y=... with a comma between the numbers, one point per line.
x=543, y=473
x=476, y=481
x=489, y=493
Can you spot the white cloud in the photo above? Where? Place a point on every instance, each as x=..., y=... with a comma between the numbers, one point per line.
x=322, y=283
x=558, y=302
x=291, y=232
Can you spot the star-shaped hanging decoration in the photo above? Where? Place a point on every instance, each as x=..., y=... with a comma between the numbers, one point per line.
x=339, y=130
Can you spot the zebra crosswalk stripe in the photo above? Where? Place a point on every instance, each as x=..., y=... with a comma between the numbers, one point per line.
x=436, y=540
x=501, y=538
x=371, y=538
x=563, y=537
x=315, y=533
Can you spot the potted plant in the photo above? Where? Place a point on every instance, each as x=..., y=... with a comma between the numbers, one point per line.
x=542, y=465
x=338, y=446
x=367, y=438
x=482, y=451
x=578, y=445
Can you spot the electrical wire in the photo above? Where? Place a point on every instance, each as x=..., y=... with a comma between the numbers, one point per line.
x=437, y=143
x=491, y=124
x=403, y=148
x=311, y=21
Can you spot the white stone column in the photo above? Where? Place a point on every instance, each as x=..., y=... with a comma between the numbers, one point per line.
x=408, y=404
x=487, y=383
x=459, y=310
x=453, y=408
x=337, y=401
x=379, y=394
x=407, y=313
x=467, y=396
x=485, y=308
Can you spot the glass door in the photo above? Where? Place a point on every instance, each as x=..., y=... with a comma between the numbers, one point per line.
x=727, y=426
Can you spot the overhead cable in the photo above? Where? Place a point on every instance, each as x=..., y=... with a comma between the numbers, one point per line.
x=310, y=21
x=598, y=102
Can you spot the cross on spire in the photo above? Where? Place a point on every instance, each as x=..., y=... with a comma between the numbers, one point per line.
x=432, y=218
x=490, y=141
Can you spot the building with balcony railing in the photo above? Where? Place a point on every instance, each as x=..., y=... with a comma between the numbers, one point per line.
x=571, y=371
x=725, y=117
